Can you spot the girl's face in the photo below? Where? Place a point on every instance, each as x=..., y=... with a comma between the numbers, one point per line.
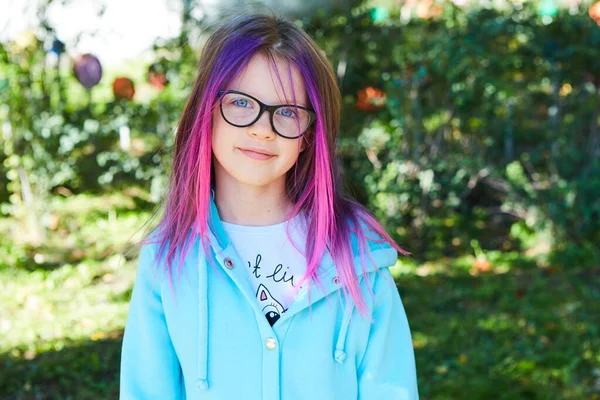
x=273, y=155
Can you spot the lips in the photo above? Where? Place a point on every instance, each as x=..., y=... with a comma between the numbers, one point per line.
x=256, y=150
x=257, y=154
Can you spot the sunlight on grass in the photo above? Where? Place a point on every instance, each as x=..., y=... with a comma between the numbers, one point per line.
x=74, y=287
x=403, y=266
x=43, y=309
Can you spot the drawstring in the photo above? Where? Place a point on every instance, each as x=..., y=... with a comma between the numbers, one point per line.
x=202, y=380
x=340, y=353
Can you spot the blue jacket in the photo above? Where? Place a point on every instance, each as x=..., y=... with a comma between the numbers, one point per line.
x=210, y=340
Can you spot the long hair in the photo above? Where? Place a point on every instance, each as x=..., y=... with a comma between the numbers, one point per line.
x=312, y=184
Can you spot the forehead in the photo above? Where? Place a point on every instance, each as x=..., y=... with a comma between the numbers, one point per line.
x=260, y=80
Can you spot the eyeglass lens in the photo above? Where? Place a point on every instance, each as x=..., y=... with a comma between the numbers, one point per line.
x=242, y=110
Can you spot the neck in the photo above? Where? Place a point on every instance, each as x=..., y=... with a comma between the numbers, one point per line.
x=249, y=205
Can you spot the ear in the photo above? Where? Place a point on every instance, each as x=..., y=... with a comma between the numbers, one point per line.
x=262, y=293
x=303, y=143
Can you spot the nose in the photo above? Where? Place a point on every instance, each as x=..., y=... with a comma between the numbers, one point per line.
x=262, y=129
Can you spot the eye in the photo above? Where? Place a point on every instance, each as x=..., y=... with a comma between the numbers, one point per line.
x=287, y=112
x=241, y=102
x=271, y=312
x=270, y=306
x=272, y=317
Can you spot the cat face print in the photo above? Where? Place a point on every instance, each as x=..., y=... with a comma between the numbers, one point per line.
x=270, y=307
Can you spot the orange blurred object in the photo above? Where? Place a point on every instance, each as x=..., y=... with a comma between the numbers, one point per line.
x=482, y=265
x=594, y=12
x=370, y=99
x=426, y=8
x=158, y=81
x=123, y=88
x=157, y=77
x=53, y=222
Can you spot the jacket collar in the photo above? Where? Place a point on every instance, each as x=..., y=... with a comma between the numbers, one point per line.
x=379, y=255
x=214, y=223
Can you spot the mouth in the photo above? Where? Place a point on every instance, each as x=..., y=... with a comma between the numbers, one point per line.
x=257, y=154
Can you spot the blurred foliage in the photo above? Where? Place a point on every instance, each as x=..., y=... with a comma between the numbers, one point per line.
x=490, y=119
x=457, y=123
x=54, y=143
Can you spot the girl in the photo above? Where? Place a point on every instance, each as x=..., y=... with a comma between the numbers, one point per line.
x=261, y=280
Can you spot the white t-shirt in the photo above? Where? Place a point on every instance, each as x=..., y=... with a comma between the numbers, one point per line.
x=275, y=266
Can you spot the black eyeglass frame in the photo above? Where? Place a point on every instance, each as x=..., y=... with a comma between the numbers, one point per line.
x=271, y=109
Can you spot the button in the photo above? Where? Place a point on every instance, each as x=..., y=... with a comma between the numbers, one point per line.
x=271, y=343
x=229, y=263
x=336, y=280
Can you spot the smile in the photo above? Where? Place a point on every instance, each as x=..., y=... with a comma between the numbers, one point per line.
x=256, y=154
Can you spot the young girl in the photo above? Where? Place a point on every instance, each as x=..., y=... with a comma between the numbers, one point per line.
x=262, y=281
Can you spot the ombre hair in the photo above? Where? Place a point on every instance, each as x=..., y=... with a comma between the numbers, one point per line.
x=313, y=184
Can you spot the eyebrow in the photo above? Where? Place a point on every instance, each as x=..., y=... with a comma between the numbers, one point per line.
x=287, y=102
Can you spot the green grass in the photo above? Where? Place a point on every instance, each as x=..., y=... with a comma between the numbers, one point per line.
x=64, y=304
x=523, y=334
x=522, y=330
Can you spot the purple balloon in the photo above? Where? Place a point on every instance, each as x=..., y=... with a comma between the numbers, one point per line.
x=88, y=70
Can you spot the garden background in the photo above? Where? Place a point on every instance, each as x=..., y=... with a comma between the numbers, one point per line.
x=471, y=129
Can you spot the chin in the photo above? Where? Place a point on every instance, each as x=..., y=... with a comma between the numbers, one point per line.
x=253, y=180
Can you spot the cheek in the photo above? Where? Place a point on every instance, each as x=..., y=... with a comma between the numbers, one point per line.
x=292, y=151
x=221, y=146
x=219, y=134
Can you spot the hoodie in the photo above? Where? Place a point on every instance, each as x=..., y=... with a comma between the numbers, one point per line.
x=206, y=337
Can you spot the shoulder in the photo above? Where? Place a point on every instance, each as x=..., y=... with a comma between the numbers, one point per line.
x=156, y=252
x=151, y=266
x=147, y=263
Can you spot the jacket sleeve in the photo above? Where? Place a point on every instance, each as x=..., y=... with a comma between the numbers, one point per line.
x=149, y=366
x=387, y=369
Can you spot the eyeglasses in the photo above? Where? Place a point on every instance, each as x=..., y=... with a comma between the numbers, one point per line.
x=241, y=110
